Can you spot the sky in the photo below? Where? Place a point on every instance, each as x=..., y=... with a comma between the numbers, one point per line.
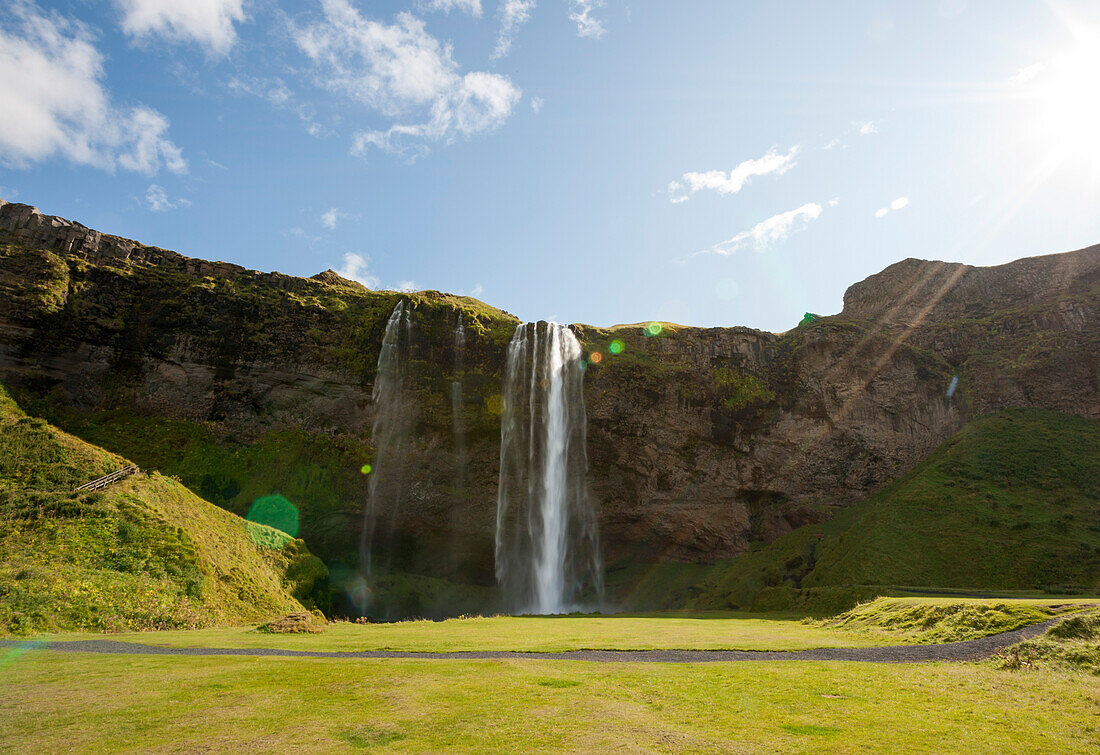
x=707, y=162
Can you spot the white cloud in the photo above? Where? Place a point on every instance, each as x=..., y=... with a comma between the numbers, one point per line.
x=329, y=218
x=580, y=13
x=834, y=201
x=832, y=143
x=400, y=70
x=476, y=291
x=735, y=180
x=537, y=103
x=1028, y=73
x=897, y=204
x=356, y=268
x=156, y=198
x=55, y=104
x=473, y=7
x=513, y=14
x=866, y=127
x=206, y=22
x=768, y=232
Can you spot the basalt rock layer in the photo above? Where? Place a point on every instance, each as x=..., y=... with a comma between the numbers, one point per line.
x=701, y=441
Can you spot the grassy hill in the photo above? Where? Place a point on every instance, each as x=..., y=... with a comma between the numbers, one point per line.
x=145, y=553
x=1011, y=502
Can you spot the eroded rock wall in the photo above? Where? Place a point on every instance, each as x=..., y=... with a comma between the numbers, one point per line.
x=701, y=441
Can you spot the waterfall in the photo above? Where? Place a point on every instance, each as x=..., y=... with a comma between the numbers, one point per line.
x=547, y=542
x=393, y=416
x=456, y=411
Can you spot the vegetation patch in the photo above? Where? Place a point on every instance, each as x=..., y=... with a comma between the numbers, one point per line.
x=144, y=553
x=935, y=621
x=1073, y=644
x=299, y=622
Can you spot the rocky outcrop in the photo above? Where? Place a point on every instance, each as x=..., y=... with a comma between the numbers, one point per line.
x=701, y=441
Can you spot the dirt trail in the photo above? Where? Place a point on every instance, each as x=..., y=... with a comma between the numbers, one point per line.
x=970, y=650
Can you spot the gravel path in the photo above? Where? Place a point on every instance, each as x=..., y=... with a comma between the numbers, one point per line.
x=970, y=650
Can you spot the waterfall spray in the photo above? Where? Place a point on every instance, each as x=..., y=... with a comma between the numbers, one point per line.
x=393, y=415
x=547, y=542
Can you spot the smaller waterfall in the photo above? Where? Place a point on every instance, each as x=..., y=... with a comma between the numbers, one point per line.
x=456, y=410
x=547, y=543
x=393, y=416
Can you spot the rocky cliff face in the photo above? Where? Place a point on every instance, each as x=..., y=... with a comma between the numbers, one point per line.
x=701, y=441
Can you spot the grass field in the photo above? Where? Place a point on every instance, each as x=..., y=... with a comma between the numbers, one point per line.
x=55, y=702
x=886, y=621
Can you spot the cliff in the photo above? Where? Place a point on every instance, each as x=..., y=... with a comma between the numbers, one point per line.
x=701, y=441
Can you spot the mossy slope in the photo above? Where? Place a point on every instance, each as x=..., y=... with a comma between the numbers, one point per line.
x=145, y=553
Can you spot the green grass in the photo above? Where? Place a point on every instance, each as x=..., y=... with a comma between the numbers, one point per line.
x=1073, y=643
x=936, y=620
x=144, y=553
x=54, y=702
x=888, y=621
x=534, y=634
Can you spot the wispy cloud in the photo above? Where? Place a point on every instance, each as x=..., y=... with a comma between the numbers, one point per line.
x=54, y=102
x=330, y=217
x=156, y=199
x=733, y=181
x=513, y=14
x=897, y=204
x=400, y=70
x=1028, y=74
x=580, y=13
x=210, y=23
x=768, y=232
x=281, y=96
x=473, y=7
x=866, y=127
x=406, y=287
x=537, y=103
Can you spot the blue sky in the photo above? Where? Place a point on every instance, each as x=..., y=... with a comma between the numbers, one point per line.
x=711, y=163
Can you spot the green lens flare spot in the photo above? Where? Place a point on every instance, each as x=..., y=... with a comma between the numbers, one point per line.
x=275, y=511
x=365, y=469
x=653, y=329
x=616, y=346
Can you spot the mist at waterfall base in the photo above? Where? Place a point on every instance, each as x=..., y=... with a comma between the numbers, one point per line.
x=545, y=543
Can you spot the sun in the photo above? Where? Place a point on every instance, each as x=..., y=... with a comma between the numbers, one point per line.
x=1066, y=96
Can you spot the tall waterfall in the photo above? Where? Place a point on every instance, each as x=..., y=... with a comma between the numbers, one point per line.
x=393, y=418
x=547, y=542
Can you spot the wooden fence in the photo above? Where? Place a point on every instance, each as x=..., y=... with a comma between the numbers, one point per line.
x=106, y=480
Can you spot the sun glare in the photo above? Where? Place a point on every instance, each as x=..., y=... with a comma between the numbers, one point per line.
x=1067, y=93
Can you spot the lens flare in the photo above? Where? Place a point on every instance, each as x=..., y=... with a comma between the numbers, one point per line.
x=653, y=329
x=595, y=357
x=616, y=346
x=365, y=469
x=275, y=511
